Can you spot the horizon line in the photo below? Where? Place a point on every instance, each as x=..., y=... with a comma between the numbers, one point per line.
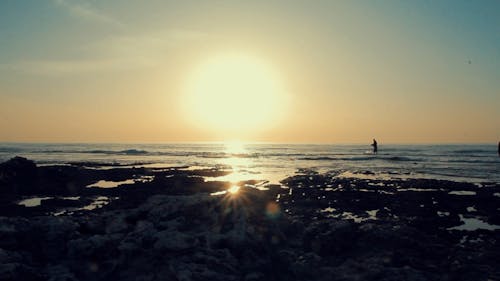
x=246, y=142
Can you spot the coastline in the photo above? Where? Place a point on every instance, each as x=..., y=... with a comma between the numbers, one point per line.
x=167, y=224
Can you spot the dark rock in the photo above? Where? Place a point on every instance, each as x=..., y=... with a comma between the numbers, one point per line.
x=174, y=241
x=18, y=271
x=60, y=273
x=18, y=177
x=318, y=228
x=330, y=237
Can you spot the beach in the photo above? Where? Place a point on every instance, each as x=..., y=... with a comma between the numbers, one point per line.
x=96, y=221
x=249, y=140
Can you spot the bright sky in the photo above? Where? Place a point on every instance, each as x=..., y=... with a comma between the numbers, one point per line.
x=310, y=71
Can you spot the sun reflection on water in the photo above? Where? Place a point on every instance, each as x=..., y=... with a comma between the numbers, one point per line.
x=238, y=161
x=241, y=166
x=235, y=147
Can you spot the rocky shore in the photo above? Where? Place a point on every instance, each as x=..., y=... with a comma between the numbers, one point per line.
x=56, y=223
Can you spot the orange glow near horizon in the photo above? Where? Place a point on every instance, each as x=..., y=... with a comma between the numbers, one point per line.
x=325, y=72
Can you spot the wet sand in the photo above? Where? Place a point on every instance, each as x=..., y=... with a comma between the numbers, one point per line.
x=76, y=222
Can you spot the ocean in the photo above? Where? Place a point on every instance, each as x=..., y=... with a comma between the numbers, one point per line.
x=274, y=162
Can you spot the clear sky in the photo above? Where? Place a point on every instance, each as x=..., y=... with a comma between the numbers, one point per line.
x=346, y=71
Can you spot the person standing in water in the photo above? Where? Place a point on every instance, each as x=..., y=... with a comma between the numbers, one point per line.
x=499, y=148
x=375, y=147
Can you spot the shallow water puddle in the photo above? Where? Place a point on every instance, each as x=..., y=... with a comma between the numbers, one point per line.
x=33, y=202
x=417, y=189
x=372, y=215
x=37, y=201
x=364, y=176
x=98, y=202
x=472, y=224
x=113, y=184
x=471, y=209
x=110, y=184
x=462, y=192
x=327, y=210
x=349, y=215
x=443, y=214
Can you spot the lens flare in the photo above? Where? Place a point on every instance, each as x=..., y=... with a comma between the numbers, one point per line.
x=233, y=189
x=273, y=210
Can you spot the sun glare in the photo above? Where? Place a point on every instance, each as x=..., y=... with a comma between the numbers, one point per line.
x=234, y=93
x=234, y=189
x=235, y=147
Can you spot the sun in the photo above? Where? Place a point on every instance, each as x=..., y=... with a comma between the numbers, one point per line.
x=234, y=93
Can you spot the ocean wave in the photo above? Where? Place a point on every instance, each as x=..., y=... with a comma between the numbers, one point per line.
x=134, y=151
x=384, y=158
x=9, y=149
x=217, y=155
x=200, y=154
x=52, y=151
x=320, y=158
x=428, y=156
x=330, y=158
x=210, y=155
x=471, y=151
x=96, y=151
x=362, y=158
x=222, y=154
x=402, y=158
x=478, y=161
x=118, y=152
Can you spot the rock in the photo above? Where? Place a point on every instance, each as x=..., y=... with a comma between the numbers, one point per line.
x=329, y=238
x=173, y=241
x=60, y=273
x=18, y=177
x=142, y=238
x=166, y=230
x=92, y=225
x=95, y=246
x=50, y=231
x=9, y=256
x=18, y=271
x=116, y=224
x=254, y=276
x=303, y=265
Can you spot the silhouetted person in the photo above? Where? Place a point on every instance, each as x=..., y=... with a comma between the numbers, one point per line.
x=375, y=147
x=499, y=148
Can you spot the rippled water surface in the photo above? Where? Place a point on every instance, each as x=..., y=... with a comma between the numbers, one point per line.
x=273, y=162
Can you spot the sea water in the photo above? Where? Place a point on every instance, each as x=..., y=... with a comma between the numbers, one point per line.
x=274, y=162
